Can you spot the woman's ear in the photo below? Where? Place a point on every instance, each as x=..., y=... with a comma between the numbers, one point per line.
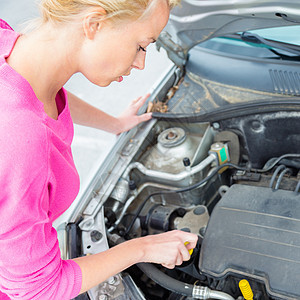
x=92, y=22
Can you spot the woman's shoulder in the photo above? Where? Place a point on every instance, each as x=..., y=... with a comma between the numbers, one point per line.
x=19, y=106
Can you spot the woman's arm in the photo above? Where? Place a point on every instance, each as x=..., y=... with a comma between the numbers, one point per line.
x=87, y=115
x=167, y=249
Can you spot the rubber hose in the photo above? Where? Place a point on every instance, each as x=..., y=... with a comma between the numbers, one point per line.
x=297, y=187
x=287, y=170
x=278, y=169
x=166, y=281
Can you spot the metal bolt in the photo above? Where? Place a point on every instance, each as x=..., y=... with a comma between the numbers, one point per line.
x=186, y=162
x=171, y=135
x=200, y=210
x=216, y=125
x=216, y=146
x=132, y=185
x=111, y=280
x=96, y=236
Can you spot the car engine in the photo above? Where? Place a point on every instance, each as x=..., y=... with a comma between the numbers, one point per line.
x=253, y=233
x=225, y=182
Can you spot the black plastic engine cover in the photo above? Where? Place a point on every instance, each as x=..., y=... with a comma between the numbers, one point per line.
x=255, y=232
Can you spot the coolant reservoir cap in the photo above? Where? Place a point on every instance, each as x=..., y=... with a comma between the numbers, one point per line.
x=171, y=137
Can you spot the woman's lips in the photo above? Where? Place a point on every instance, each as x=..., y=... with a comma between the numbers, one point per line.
x=120, y=79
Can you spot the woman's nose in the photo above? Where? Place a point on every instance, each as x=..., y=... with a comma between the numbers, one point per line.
x=139, y=62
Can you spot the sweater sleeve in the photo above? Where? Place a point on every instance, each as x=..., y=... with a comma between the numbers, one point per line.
x=4, y=25
x=30, y=263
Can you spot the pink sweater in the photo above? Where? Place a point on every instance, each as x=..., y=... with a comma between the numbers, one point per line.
x=38, y=182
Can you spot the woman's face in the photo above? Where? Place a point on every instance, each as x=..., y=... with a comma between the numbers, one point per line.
x=115, y=49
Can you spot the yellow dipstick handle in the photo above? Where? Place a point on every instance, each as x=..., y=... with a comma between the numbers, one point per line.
x=246, y=289
x=191, y=250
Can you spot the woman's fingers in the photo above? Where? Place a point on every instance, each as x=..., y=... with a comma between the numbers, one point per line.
x=142, y=99
x=169, y=266
x=191, y=243
x=139, y=102
x=129, y=118
x=145, y=117
x=185, y=253
x=182, y=255
x=179, y=259
x=177, y=262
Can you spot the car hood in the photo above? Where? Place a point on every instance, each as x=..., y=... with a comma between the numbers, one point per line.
x=195, y=21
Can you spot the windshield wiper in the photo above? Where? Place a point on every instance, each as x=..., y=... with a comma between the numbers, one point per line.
x=257, y=39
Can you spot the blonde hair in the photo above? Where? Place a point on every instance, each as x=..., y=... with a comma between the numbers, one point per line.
x=62, y=11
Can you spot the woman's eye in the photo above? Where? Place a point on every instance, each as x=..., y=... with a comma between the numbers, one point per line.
x=141, y=48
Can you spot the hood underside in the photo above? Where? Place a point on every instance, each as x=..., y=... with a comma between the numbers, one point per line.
x=196, y=21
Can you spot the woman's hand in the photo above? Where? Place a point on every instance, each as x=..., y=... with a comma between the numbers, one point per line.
x=168, y=248
x=88, y=115
x=129, y=118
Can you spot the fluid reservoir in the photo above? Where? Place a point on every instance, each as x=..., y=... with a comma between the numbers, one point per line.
x=173, y=145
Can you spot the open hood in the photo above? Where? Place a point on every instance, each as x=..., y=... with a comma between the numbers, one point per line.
x=195, y=21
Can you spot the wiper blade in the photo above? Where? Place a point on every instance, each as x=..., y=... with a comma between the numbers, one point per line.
x=257, y=39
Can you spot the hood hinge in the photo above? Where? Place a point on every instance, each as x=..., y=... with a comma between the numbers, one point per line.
x=175, y=52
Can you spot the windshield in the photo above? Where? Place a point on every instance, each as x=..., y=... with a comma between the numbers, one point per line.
x=272, y=43
x=288, y=34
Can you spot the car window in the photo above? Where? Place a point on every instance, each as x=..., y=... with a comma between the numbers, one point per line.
x=286, y=34
x=273, y=42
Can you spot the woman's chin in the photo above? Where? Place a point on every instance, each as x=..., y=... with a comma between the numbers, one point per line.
x=106, y=82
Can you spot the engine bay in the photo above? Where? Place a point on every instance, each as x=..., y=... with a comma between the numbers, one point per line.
x=226, y=182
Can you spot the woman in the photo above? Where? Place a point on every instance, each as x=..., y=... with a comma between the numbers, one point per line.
x=104, y=40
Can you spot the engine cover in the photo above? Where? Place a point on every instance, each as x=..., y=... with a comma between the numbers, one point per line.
x=255, y=232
